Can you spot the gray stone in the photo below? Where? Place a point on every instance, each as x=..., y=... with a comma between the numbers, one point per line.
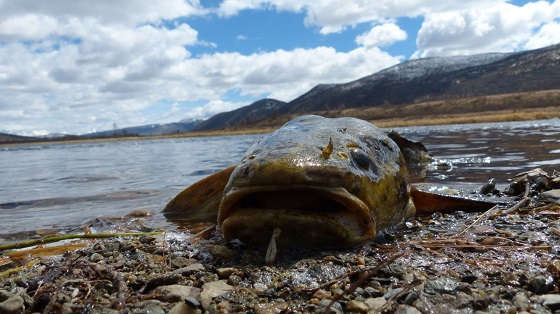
x=211, y=290
x=12, y=304
x=191, y=269
x=150, y=308
x=221, y=252
x=552, y=301
x=183, y=308
x=175, y=293
x=441, y=285
x=335, y=308
x=356, y=306
x=375, y=303
x=96, y=257
x=407, y=309
x=552, y=195
x=521, y=301
x=540, y=284
x=225, y=272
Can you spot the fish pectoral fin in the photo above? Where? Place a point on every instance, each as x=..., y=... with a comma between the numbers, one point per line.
x=200, y=201
x=427, y=203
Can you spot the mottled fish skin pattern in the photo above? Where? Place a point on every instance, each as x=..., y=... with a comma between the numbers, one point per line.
x=364, y=161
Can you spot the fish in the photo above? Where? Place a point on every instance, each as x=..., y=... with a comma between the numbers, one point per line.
x=315, y=181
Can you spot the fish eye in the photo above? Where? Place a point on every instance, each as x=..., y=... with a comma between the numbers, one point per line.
x=361, y=158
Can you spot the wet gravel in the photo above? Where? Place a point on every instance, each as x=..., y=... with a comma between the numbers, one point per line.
x=505, y=263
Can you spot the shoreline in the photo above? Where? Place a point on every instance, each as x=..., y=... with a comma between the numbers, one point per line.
x=525, y=114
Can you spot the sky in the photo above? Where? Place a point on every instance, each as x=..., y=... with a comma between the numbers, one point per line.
x=73, y=67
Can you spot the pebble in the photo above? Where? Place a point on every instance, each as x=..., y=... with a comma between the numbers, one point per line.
x=356, y=306
x=183, y=308
x=191, y=269
x=178, y=292
x=181, y=261
x=407, y=309
x=225, y=272
x=552, y=195
x=96, y=257
x=10, y=303
x=150, y=308
x=375, y=303
x=521, y=301
x=335, y=308
x=322, y=294
x=211, y=290
x=441, y=285
x=540, y=284
x=221, y=252
x=552, y=301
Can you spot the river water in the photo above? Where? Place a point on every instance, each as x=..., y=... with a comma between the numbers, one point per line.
x=66, y=185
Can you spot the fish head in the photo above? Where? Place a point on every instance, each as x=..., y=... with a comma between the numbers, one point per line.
x=321, y=181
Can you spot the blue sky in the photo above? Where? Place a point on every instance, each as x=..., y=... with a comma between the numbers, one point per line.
x=77, y=67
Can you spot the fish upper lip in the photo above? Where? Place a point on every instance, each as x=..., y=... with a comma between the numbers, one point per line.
x=340, y=194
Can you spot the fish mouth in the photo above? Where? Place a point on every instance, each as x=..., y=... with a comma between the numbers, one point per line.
x=307, y=215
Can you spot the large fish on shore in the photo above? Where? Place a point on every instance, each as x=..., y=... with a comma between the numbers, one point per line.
x=317, y=181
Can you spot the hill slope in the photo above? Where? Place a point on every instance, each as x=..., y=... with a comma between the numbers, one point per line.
x=414, y=81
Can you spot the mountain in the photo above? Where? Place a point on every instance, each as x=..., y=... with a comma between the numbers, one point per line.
x=262, y=109
x=11, y=138
x=147, y=130
x=414, y=81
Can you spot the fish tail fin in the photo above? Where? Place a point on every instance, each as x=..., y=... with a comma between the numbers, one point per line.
x=427, y=203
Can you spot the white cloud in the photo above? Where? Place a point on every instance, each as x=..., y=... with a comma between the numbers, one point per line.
x=241, y=37
x=381, y=35
x=81, y=73
x=334, y=16
x=502, y=27
x=548, y=34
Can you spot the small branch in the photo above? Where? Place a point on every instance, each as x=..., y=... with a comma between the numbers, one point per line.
x=15, y=270
x=475, y=222
x=29, y=243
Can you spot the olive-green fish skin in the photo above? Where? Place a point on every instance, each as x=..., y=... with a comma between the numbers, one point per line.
x=290, y=179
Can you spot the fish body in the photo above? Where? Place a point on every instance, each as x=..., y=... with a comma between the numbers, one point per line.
x=333, y=181
x=320, y=180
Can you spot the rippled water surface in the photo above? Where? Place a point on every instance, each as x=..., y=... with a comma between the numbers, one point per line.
x=61, y=185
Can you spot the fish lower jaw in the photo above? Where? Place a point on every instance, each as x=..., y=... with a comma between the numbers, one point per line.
x=307, y=216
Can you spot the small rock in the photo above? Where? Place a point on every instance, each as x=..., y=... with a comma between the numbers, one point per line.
x=271, y=308
x=10, y=303
x=150, y=308
x=174, y=293
x=96, y=257
x=554, y=268
x=211, y=290
x=225, y=272
x=322, y=294
x=138, y=213
x=183, y=308
x=356, y=306
x=259, y=287
x=103, y=310
x=375, y=303
x=540, y=284
x=372, y=292
x=552, y=195
x=521, y=301
x=407, y=309
x=441, y=285
x=221, y=252
x=181, y=261
x=335, y=308
x=552, y=301
x=191, y=269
